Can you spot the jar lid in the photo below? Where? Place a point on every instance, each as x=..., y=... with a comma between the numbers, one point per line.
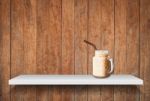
x=101, y=52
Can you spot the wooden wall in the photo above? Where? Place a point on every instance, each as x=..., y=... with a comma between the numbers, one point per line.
x=46, y=37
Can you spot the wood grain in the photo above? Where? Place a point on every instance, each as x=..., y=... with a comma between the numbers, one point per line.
x=68, y=46
x=54, y=47
x=46, y=37
x=94, y=36
x=132, y=29
x=4, y=50
x=147, y=97
x=23, y=45
x=107, y=32
x=29, y=44
x=48, y=46
x=120, y=46
x=81, y=23
x=17, y=52
x=42, y=53
x=144, y=48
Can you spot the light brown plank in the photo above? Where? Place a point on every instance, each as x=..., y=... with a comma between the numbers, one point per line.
x=17, y=55
x=54, y=37
x=42, y=53
x=94, y=36
x=147, y=97
x=107, y=32
x=29, y=46
x=29, y=36
x=23, y=45
x=54, y=45
x=68, y=46
x=120, y=46
x=4, y=49
x=132, y=30
x=81, y=24
x=81, y=15
x=133, y=37
x=16, y=37
x=49, y=46
x=144, y=48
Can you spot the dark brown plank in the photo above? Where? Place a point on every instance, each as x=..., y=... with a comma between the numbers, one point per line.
x=4, y=49
x=23, y=40
x=68, y=46
x=132, y=23
x=120, y=46
x=81, y=18
x=107, y=32
x=144, y=48
x=94, y=36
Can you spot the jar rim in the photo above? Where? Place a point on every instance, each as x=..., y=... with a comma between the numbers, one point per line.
x=101, y=52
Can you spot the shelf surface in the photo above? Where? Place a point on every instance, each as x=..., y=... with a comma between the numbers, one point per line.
x=75, y=80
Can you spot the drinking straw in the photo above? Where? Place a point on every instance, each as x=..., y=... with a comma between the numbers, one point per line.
x=94, y=46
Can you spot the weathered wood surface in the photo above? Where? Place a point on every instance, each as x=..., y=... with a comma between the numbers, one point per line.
x=68, y=46
x=23, y=46
x=144, y=48
x=81, y=55
x=94, y=35
x=46, y=37
x=4, y=50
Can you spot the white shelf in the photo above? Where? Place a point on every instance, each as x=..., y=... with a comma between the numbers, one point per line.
x=75, y=80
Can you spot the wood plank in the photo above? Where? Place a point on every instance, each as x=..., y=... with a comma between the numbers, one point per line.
x=43, y=24
x=144, y=48
x=80, y=35
x=4, y=49
x=133, y=67
x=29, y=44
x=49, y=45
x=54, y=46
x=120, y=46
x=17, y=55
x=133, y=37
x=68, y=46
x=23, y=45
x=147, y=97
x=107, y=32
x=81, y=11
x=94, y=36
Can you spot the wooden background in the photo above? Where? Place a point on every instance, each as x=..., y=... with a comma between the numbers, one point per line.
x=46, y=37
